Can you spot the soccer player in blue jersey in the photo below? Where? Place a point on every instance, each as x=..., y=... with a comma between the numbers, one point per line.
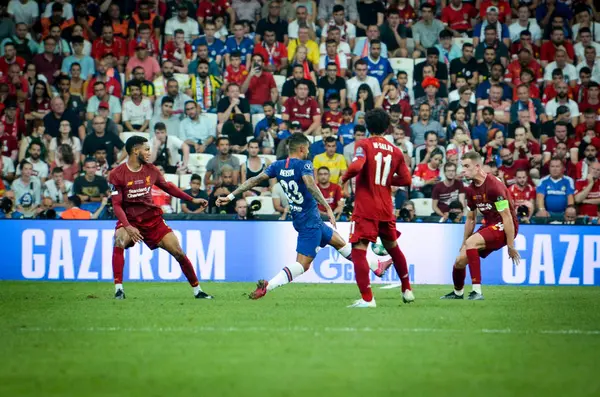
x=296, y=176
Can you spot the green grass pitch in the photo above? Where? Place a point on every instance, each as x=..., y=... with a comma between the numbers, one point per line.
x=73, y=339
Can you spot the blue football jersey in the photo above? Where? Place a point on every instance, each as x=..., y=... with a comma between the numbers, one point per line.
x=303, y=206
x=379, y=70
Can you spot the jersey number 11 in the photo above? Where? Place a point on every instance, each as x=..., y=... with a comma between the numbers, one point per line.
x=385, y=163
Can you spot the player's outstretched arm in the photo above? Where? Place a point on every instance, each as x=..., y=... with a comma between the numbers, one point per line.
x=309, y=181
x=249, y=184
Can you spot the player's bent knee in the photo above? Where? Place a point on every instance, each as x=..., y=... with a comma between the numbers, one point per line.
x=460, y=262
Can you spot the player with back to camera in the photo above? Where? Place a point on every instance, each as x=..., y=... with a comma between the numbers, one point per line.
x=377, y=165
x=139, y=219
x=296, y=176
x=491, y=197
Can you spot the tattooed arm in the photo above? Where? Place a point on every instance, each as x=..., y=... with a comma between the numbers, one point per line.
x=309, y=181
x=249, y=184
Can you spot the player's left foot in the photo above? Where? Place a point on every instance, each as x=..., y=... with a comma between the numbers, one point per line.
x=452, y=295
x=260, y=291
x=120, y=294
x=203, y=295
x=475, y=296
x=408, y=296
x=361, y=303
x=382, y=266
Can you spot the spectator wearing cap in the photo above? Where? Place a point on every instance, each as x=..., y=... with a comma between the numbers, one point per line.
x=141, y=59
x=447, y=50
x=166, y=116
x=503, y=9
x=48, y=64
x=59, y=113
x=101, y=139
x=491, y=19
x=137, y=111
x=427, y=31
x=438, y=106
x=562, y=99
x=239, y=132
x=182, y=21
x=196, y=131
x=101, y=96
x=187, y=207
x=74, y=212
x=523, y=24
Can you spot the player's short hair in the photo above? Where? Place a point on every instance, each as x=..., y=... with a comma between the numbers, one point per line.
x=297, y=140
x=133, y=142
x=473, y=156
x=378, y=121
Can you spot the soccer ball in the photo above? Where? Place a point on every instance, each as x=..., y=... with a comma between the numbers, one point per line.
x=378, y=248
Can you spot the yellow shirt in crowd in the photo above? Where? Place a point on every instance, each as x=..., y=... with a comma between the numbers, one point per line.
x=336, y=164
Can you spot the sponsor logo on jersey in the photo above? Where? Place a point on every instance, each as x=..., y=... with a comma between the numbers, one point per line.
x=130, y=183
x=148, y=183
x=359, y=152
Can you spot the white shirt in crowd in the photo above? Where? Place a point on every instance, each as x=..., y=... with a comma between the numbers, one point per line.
x=40, y=169
x=553, y=104
x=595, y=28
x=342, y=57
x=51, y=190
x=173, y=145
x=595, y=70
x=67, y=10
x=349, y=30
x=353, y=84
x=569, y=72
x=26, y=13
x=189, y=27
x=293, y=28
x=137, y=114
x=515, y=30
x=455, y=96
x=579, y=49
x=343, y=48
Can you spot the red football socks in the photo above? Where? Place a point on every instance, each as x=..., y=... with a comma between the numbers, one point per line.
x=118, y=263
x=474, y=265
x=361, y=272
x=400, y=266
x=458, y=276
x=188, y=270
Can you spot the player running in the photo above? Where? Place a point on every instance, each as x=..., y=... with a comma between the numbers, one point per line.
x=296, y=177
x=139, y=219
x=491, y=197
x=375, y=163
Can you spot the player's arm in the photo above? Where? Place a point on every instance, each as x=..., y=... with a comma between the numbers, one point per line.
x=358, y=162
x=249, y=184
x=402, y=176
x=173, y=190
x=470, y=224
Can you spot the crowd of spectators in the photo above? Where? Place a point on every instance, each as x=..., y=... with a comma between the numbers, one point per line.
x=518, y=82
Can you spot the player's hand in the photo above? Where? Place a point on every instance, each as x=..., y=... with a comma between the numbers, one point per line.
x=221, y=201
x=201, y=202
x=514, y=255
x=134, y=233
x=331, y=217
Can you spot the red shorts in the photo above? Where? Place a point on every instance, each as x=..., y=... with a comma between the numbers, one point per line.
x=370, y=229
x=153, y=229
x=494, y=237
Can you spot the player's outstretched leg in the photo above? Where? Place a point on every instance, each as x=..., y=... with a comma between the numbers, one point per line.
x=121, y=241
x=341, y=246
x=401, y=268
x=285, y=276
x=170, y=243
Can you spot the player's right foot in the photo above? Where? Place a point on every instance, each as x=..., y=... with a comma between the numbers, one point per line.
x=261, y=290
x=382, y=266
x=120, y=294
x=452, y=295
x=361, y=303
x=408, y=296
x=203, y=295
x=475, y=296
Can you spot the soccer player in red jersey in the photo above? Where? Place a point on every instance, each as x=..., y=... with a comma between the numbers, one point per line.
x=374, y=165
x=488, y=195
x=139, y=219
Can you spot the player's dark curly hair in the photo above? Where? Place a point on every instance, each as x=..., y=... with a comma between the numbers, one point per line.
x=296, y=140
x=133, y=142
x=378, y=121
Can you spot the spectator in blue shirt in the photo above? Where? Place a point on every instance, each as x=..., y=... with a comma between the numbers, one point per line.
x=378, y=66
x=238, y=42
x=491, y=20
x=216, y=47
x=496, y=78
x=480, y=133
x=86, y=62
x=346, y=129
x=319, y=146
x=555, y=192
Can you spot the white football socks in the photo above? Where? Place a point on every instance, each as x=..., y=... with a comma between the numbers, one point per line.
x=459, y=292
x=285, y=276
x=197, y=289
x=346, y=250
x=118, y=287
x=477, y=288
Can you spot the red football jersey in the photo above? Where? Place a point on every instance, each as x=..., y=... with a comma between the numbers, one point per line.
x=375, y=163
x=209, y=9
x=170, y=53
x=301, y=112
x=407, y=14
x=8, y=143
x=521, y=195
x=231, y=76
x=334, y=120
x=510, y=173
x=272, y=56
x=588, y=209
x=548, y=51
x=533, y=147
x=502, y=6
x=459, y=19
x=513, y=72
x=551, y=143
x=117, y=48
x=485, y=197
x=332, y=194
x=5, y=65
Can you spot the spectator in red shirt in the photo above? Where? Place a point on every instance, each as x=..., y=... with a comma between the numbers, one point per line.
x=108, y=43
x=524, y=61
x=15, y=81
x=557, y=40
x=113, y=87
x=8, y=144
x=508, y=170
x=592, y=100
x=10, y=57
x=144, y=36
x=178, y=51
x=144, y=18
x=525, y=41
x=587, y=192
x=589, y=154
x=48, y=64
x=447, y=191
x=334, y=116
x=525, y=149
x=560, y=135
x=273, y=52
x=523, y=192
x=591, y=121
x=235, y=72
x=504, y=10
x=13, y=125
x=426, y=175
x=303, y=109
x=457, y=17
x=210, y=9
x=331, y=191
x=259, y=86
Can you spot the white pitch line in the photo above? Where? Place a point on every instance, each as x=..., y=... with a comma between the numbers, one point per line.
x=308, y=329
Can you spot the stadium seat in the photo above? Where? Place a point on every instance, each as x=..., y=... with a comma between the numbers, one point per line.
x=271, y=158
x=126, y=135
x=184, y=181
x=173, y=178
x=197, y=162
x=459, y=41
x=405, y=64
x=256, y=118
x=423, y=207
x=241, y=157
x=318, y=138
x=419, y=60
x=212, y=119
x=266, y=205
x=279, y=81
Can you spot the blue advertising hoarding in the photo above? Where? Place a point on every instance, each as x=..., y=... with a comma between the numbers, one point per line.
x=247, y=251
